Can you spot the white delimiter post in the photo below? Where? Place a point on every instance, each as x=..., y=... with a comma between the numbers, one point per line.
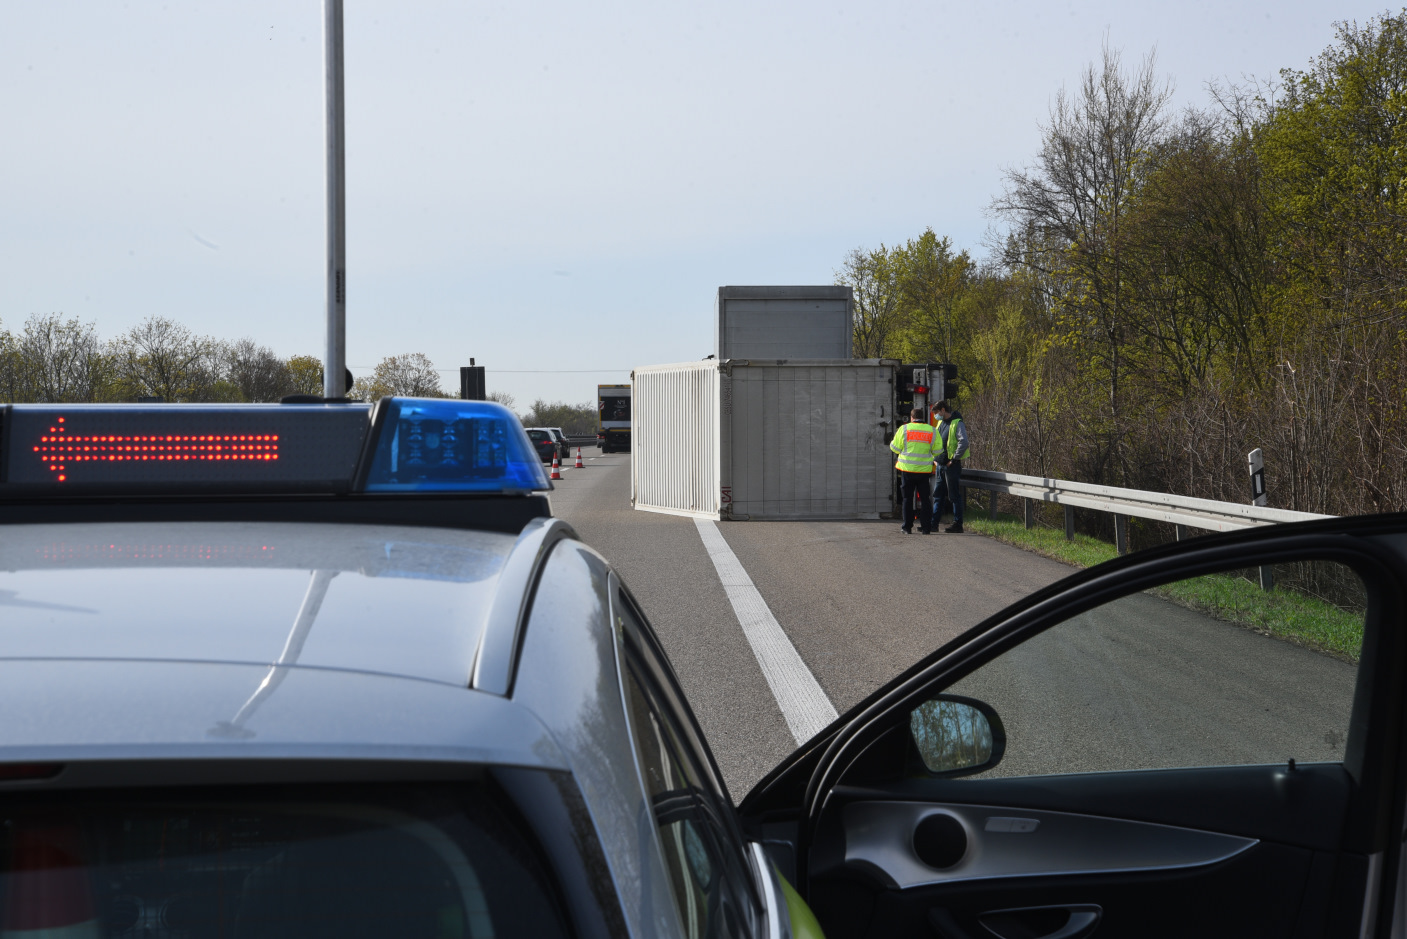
x=1257, y=466
x=1256, y=461
x=335, y=364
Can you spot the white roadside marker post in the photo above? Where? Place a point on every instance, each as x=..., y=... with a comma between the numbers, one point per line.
x=1256, y=460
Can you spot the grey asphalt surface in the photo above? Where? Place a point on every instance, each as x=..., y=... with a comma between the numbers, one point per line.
x=1145, y=684
x=860, y=601
x=1138, y=683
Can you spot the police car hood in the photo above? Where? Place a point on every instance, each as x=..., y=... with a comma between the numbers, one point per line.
x=409, y=602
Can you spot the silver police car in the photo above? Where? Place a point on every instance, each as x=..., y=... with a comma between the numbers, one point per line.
x=333, y=670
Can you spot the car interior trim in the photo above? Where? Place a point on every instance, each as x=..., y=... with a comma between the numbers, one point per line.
x=778, y=919
x=1059, y=844
x=497, y=655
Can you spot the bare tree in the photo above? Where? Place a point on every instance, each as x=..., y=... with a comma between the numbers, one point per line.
x=164, y=359
x=412, y=375
x=11, y=372
x=58, y=360
x=257, y=372
x=1072, y=204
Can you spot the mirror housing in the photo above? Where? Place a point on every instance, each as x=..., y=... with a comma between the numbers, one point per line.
x=957, y=736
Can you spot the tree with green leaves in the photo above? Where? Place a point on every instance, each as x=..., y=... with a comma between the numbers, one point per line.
x=305, y=375
x=873, y=276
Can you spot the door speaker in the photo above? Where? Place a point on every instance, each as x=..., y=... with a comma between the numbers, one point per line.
x=940, y=841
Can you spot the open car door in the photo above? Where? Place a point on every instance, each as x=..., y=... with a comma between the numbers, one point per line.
x=1152, y=747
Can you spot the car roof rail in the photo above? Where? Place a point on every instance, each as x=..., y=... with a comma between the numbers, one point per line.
x=496, y=659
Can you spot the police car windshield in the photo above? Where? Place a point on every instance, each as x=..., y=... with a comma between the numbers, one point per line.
x=423, y=862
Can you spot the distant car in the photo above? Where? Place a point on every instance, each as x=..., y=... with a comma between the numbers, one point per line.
x=544, y=443
x=564, y=446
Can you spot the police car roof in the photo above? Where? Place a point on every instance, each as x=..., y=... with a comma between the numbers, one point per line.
x=154, y=638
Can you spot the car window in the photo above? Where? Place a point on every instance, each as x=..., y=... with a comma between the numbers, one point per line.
x=1207, y=671
x=432, y=862
x=707, y=869
x=539, y=436
x=703, y=880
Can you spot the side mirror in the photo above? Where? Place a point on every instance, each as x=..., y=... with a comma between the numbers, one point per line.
x=957, y=736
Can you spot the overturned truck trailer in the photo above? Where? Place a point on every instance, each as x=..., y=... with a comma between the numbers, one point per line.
x=776, y=439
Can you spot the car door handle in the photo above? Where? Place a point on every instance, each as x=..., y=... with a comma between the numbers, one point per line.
x=1043, y=922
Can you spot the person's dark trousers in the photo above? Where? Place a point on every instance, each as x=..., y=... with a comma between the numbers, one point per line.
x=949, y=491
x=920, y=483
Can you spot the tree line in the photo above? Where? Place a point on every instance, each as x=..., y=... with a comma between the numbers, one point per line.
x=55, y=359
x=58, y=359
x=1167, y=291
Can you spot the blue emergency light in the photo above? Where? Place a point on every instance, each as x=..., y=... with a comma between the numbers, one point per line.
x=399, y=445
x=447, y=445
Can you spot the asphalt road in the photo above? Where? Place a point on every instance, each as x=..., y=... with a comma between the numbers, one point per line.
x=1140, y=683
x=860, y=602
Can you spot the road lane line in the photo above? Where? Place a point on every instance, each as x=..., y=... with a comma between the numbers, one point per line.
x=804, y=705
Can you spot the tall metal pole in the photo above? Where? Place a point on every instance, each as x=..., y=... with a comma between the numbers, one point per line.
x=335, y=363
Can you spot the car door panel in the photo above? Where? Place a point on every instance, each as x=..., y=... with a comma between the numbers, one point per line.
x=982, y=842
x=1272, y=866
x=1304, y=807
x=1272, y=847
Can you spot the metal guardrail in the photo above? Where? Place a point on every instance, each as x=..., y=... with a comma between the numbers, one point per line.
x=1182, y=511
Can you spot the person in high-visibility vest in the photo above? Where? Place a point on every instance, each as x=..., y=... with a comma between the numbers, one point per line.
x=952, y=450
x=916, y=443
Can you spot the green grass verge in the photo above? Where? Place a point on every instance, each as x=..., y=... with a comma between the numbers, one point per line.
x=1084, y=551
x=1282, y=613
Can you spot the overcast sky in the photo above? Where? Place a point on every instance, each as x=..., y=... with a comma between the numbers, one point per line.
x=552, y=188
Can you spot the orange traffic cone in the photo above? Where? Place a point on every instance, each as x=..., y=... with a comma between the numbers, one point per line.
x=579, y=464
x=556, y=469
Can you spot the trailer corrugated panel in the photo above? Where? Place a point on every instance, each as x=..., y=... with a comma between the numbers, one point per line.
x=779, y=440
x=784, y=323
x=809, y=440
x=674, y=457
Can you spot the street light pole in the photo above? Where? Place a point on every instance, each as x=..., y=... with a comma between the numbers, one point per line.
x=335, y=363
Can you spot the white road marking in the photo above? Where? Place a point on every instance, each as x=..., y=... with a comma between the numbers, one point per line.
x=804, y=705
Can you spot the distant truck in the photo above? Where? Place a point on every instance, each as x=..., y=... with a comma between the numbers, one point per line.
x=613, y=417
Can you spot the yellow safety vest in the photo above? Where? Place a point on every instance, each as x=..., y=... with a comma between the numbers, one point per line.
x=949, y=442
x=915, y=444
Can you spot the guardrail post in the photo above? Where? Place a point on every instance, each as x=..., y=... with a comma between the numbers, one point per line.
x=1267, y=578
x=1121, y=534
x=1180, y=532
x=1028, y=511
x=992, y=506
x=1069, y=523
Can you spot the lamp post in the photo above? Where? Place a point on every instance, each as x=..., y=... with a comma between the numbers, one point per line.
x=335, y=365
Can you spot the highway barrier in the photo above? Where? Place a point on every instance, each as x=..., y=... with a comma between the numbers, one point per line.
x=1181, y=511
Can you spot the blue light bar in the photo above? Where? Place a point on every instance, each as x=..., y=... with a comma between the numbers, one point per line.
x=448, y=445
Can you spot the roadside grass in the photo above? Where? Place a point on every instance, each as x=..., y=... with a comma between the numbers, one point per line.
x=1084, y=551
x=1283, y=613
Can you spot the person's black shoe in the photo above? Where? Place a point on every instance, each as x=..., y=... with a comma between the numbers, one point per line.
x=955, y=528
x=925, y=531
x=905, y=531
